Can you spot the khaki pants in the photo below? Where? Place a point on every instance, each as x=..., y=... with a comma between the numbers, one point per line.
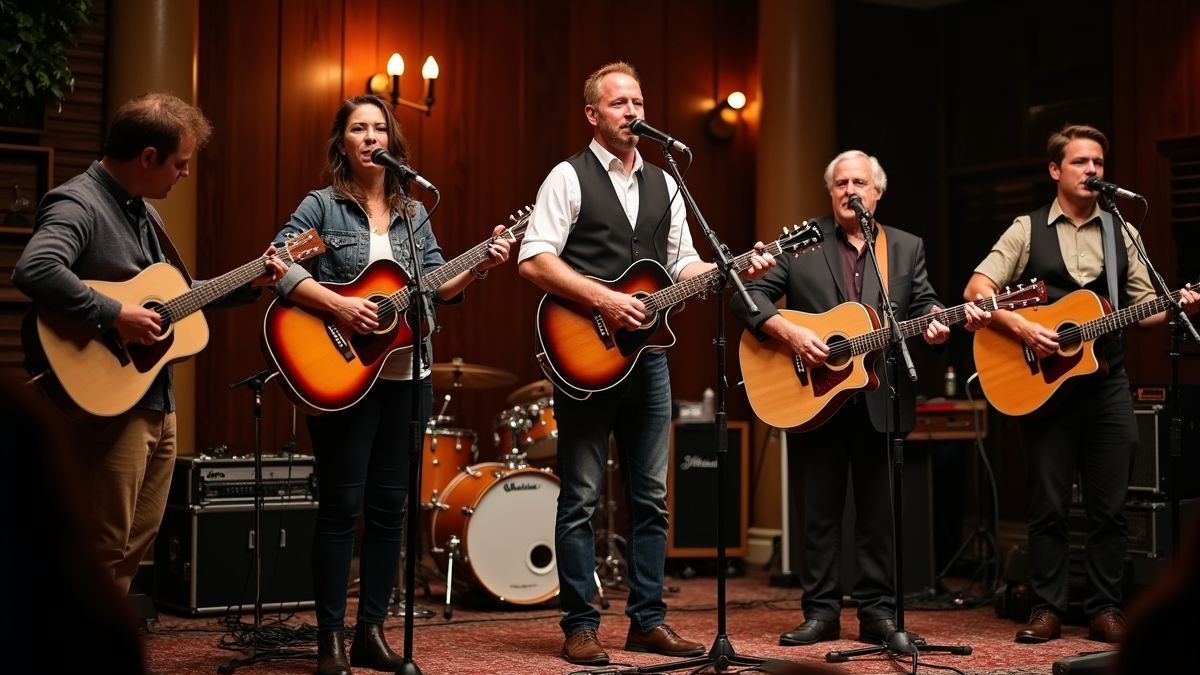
x=128, y=465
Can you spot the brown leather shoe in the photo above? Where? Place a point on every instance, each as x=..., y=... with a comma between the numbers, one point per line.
x=583, y=648
x=661, y=639
x=1107, y=626
x=1043, y=626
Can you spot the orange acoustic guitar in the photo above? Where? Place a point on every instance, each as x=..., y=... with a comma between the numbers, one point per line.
x=323, y=369
x=105, y=377
x=787, y=395
x=582, y=355
x=1016, y=382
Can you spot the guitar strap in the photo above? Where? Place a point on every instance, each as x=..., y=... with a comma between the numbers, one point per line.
x=167, y=246
x=1110, y=257
x=881, y=254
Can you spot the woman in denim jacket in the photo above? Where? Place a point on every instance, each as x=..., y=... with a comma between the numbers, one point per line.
x=362, y=451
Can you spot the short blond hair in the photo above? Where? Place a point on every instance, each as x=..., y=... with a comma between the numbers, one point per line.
x=591, y=88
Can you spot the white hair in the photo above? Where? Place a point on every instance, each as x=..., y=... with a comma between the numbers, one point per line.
x=877, y=173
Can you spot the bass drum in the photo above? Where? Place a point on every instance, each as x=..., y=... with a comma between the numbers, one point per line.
x=501, y=522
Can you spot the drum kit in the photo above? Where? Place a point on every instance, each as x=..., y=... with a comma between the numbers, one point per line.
x=491, y=523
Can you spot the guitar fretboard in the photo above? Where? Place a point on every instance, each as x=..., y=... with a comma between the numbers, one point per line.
x=400, y=300
x=1117, y=320
x=676, y=293
x=200, y=297
x=879, y=338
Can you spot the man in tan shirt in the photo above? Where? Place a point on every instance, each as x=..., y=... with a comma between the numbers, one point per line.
x=1089, y=428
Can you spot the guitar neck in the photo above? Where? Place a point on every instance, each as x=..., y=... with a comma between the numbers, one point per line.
x=676, y=293
x=1126, y=316
x=878, y=339
x=202, y=296
x=472, y=257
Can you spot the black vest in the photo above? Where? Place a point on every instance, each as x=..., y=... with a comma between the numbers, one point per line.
x=1046, y=263
x=602, y=244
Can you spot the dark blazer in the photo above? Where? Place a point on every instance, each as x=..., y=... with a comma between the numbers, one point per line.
x=815, y=284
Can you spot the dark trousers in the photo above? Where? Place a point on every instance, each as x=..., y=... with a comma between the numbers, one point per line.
x=362, y=462
x=1090, y=432
x=819, y=463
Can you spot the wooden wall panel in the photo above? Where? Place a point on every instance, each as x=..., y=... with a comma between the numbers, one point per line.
x=509, y=106
x=1156, y=66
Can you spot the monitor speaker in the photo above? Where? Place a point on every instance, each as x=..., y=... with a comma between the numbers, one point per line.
x=692, y=491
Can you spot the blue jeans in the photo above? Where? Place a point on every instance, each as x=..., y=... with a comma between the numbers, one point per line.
x=637, y=412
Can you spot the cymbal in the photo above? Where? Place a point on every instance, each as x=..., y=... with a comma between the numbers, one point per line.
x=531, y=392
x=469, y=376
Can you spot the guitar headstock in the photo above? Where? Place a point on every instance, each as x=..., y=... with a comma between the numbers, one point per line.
x=304, y=245
x=1022, y=296
x=802, y=237
x=518, y=223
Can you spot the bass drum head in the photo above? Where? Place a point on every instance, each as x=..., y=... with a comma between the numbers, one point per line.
x=510, y=537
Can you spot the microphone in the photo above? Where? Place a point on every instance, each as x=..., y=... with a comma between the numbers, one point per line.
x=1096, y=185
x=382, y=158
x=639, y=127
x=857, y=205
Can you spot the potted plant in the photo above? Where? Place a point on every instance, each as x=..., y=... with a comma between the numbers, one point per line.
x=34, y=36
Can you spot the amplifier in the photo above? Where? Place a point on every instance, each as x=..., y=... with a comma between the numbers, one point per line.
x=202, y=480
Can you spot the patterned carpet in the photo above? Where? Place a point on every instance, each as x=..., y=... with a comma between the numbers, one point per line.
x=484, y=638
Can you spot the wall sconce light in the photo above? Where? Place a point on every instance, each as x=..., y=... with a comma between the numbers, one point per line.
x=721, y=123
x=378, y=83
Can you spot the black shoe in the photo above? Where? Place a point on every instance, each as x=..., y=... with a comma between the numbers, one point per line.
x=370, y=650
x=331, y=653
x=877, y=632
x=811, y=632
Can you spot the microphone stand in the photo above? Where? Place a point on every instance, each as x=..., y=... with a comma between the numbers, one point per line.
x=256, y=382
x=1180, y=326
x=417, y=314
x=899, y=642
x=722, y=653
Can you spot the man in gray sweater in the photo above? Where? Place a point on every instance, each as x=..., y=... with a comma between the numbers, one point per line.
x=97, y=226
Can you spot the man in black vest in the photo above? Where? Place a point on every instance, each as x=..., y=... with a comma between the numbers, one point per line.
x=596, y=214
x=851, y=444
x=1089, y=428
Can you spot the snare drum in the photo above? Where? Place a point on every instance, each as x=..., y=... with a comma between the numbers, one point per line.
x=501, y=521
x=445, y=453
x=541, y=437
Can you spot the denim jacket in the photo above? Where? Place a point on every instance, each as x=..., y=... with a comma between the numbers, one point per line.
x=344, y=228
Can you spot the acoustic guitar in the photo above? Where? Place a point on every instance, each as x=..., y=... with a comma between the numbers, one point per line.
x=788, y=395
x=1016, y=382
x=582, y=354
x=104, y=376
x=323, y=368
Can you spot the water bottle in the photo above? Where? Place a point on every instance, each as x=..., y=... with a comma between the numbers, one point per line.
x=951, y=382
x=708, y=406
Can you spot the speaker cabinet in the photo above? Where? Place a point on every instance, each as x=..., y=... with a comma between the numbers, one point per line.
x=692, y=491
x=1154, y=477
x=204, y=557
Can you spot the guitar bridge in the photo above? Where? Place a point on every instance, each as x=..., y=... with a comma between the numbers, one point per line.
x=1030, y=359
x=602, y=330
x=339, y=342
x=801, y=371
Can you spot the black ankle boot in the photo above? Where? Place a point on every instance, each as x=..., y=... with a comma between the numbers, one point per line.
x=331, y=653
x=370, y=650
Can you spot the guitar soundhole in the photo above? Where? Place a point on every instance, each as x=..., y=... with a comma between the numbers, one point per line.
x=1068, y=347
x=387, y=315
x=650, y=315
x=165, y=325
x=839, y=351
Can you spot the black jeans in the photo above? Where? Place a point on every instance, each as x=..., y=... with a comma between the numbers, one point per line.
x=1090, y=431
x=362, y=457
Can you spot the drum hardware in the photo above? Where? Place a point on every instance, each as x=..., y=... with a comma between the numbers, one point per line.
x=610, y=569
